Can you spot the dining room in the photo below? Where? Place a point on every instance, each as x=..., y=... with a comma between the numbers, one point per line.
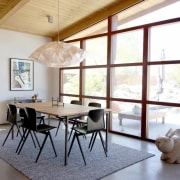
x=119, y=83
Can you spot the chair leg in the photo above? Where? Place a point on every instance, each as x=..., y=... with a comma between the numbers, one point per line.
x=52, y=144
x=42, y=146
x=102, y=141
x=58, y=127
x=77, y=136
x=23, y=142
x=90, y=143
x=10, y=130
x=72, y=142
x=18, y=131
x=71, y=131
x=33, y=139
x=36, y=139
x=22, y=138
x=94, y=138
x=46, y=135
x=12, y=133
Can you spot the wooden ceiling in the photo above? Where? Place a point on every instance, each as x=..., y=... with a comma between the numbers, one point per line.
x=31, y=16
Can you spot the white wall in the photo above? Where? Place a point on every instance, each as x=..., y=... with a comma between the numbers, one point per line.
x=21, y=45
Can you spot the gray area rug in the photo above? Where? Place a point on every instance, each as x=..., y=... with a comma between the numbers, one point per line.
x=50, y=167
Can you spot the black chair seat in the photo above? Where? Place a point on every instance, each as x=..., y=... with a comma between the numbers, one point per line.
x=82, y=130
x=44, y=127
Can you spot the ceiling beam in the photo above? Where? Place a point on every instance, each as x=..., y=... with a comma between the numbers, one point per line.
x=11, y=8
x=96, y=17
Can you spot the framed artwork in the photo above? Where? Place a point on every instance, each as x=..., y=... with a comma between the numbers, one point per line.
x=21, y=74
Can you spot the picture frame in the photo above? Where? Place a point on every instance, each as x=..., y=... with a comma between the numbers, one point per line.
x=21, y=74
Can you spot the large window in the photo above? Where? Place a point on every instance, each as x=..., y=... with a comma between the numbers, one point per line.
x=133, y=71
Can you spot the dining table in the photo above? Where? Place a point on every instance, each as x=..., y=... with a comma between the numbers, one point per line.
x=67, y=111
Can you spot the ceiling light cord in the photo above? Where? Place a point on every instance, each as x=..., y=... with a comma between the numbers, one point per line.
x=58, y=20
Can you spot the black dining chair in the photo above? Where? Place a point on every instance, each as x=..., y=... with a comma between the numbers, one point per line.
x=14, y=119
x=23, y=116
x=83, y=121
x=95, y=124
x=30, y=124
x=62, y=119
x=39, y=116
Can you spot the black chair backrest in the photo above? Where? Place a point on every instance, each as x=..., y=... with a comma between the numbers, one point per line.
x=94, y=104
x=76, y=102
x=95, y=120
x=12, y=113
x=22, y=113
x=30, y=118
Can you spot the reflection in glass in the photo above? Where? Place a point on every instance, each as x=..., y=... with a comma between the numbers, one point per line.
x=71, y=81
x=68, y=99
x=164, y=83
x=164, y=42
x=126, y=118
x=161, y=119
x=127, y=82
x=95, y=82
x=127, y=47
x=96, y=50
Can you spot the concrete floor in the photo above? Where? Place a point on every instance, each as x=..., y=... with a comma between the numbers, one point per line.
x=150, y=169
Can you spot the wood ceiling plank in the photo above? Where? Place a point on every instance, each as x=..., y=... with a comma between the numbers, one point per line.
x=11, y=7
x=96, y=17
x=30, y=16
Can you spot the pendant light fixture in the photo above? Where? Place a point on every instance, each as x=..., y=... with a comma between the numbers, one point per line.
x=58, y=54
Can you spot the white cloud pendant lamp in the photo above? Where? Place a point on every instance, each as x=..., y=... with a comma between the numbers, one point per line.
x=58, y=54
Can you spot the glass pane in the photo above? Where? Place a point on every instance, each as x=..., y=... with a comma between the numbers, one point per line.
x=127, y=47
x=68, y=99
x=126, y=82
x=122, y=20
x=164, y=83
x=95, y=82
x=165, y=42
x=70, y=81
x=126, y=118
x=96, y=51
x=98, y=28
x=161, y=119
